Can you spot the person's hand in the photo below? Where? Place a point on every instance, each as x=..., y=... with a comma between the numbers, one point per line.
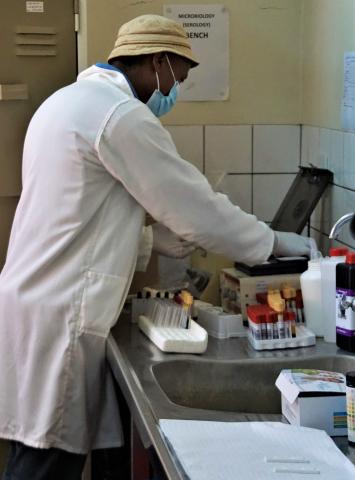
x=167, y=243
x=289, y=244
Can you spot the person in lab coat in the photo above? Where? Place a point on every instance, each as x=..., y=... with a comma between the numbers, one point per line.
x=96, y=158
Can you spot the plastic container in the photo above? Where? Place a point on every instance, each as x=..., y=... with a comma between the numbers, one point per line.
x=345, y=303
x=312, y=297
x=350, y=406
x=328, y=271
x=220, y=324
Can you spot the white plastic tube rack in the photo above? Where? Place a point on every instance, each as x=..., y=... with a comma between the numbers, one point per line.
x=173, y=339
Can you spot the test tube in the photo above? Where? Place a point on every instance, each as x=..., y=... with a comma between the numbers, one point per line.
x=187, y=299
x=263, y=327
x=292, y=316
x=287, y=321
x=289, y=294
x=279, y=307
x=269, y=327
x=274, y=323
x=281, y=325
x=294, y=309
x=257, y=327
x=299, y=307
x=254, y=324
x=166, y=313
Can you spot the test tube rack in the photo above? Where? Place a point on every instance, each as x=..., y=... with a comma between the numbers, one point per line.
x=264, y=329
x=304, y=338
x=175, y=339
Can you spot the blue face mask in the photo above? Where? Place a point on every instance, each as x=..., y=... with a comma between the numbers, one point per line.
x=159, y=103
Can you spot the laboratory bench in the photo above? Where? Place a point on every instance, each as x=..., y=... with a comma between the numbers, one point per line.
x=229, y=382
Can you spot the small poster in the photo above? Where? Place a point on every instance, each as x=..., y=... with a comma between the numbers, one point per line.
x=207, y=27
x=348, y=105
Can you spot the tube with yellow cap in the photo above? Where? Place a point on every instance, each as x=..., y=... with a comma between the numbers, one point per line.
x=187, y=300
x=274, y=298
x=278, y=304
x=289, y=294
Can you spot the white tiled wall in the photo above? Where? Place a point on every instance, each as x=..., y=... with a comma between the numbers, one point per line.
x=189, y=143
x=229, y=148
x=276, y=148
x=256, y=164
x=334, y=150
x=253, y=164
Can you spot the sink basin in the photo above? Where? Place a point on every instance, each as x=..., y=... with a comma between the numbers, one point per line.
x=246, y=386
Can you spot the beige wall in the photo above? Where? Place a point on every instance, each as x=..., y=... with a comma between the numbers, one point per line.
x=328, y=31
x=286, y=67
x=265, y=63
x=286, y=58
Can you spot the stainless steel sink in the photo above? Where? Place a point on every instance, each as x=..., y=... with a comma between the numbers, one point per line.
x=246, y=386
x=230, y=382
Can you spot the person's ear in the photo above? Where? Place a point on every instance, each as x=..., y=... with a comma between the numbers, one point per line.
x=158, y=59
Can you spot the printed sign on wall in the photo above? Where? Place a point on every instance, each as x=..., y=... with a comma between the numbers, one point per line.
x=348, y=105
x=208, y=29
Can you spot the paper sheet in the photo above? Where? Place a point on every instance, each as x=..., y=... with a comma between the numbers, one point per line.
x=348, y=105
x=253, y=450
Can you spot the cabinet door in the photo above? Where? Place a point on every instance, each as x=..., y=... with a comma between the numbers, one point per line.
x=37, y=56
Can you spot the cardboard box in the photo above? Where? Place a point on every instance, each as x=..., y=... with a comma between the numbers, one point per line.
x=314, y=398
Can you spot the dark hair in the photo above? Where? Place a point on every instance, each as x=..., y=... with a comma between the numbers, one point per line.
x=129, y=60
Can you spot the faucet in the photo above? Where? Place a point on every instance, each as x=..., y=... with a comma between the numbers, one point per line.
x=349, y=217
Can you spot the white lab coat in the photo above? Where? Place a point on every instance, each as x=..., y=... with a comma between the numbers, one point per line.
x=95, y=158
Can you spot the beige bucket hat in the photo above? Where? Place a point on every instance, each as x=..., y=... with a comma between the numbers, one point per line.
x=152, y=34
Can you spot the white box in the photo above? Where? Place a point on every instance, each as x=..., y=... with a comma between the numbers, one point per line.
x=239, y=290
x=314, y=398
x=220, y=324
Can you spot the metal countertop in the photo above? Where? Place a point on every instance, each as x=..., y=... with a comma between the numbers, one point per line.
x=132, y=357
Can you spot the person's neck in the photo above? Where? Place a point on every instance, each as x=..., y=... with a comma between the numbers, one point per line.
x=136, y=76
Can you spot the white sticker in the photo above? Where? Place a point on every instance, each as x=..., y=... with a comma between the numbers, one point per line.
x=345, y=312
x=34, y=7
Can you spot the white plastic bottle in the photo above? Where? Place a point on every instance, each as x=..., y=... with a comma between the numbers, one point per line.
x=312, y=297
x=328, y=271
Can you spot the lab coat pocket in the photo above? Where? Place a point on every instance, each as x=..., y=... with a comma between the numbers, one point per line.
x=102, y=298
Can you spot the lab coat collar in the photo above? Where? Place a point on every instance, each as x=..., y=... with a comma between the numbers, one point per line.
x=110, y=74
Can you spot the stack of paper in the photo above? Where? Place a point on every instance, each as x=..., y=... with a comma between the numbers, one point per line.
x=254, y=451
